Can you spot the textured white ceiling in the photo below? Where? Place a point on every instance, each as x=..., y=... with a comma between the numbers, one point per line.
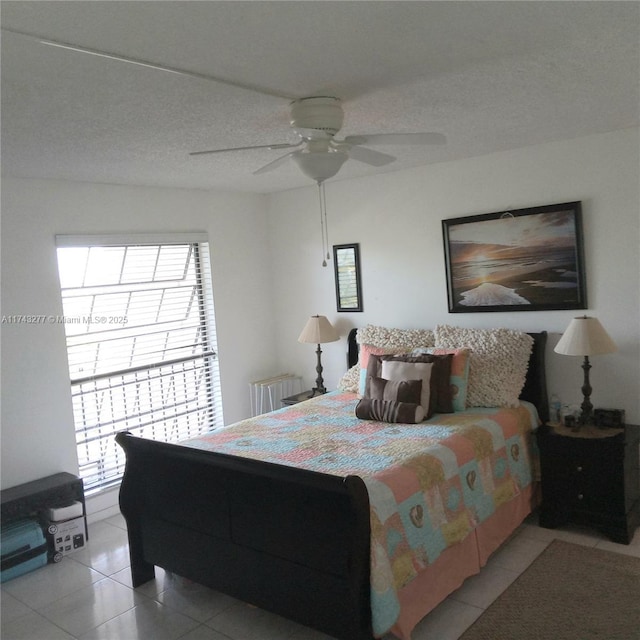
x=491, y=76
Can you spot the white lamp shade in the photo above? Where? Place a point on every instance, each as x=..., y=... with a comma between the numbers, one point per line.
x=585, y=337
x=318, y=330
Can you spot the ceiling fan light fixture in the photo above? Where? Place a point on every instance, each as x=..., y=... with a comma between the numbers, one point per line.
x=320, y=165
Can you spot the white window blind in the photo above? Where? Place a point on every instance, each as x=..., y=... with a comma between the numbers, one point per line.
x=141, y=343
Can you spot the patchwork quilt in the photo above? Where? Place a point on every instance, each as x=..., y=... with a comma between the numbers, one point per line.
x=430, y=484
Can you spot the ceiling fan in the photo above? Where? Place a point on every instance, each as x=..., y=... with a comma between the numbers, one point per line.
x=319, y=154
x=315, y=120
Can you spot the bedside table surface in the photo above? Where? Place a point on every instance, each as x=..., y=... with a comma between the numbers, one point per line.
x=297, y=397
x=587, y=431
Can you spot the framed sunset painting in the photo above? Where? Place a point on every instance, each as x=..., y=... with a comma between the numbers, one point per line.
x=518, y=260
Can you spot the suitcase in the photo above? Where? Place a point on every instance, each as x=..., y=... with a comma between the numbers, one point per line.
x=23, y=548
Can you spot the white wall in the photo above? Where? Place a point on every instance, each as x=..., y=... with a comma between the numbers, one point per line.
x=37, y=424
x=396, y=218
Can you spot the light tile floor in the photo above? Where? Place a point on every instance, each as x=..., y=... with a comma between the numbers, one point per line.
x=88, y=596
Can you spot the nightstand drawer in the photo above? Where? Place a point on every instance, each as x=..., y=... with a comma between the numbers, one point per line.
x=587, y=474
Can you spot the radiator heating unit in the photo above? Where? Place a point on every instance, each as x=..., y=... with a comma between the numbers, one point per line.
x=265, y=395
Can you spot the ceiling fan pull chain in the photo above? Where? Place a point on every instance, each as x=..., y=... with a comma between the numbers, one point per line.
x=326, y=223
x=321, y=200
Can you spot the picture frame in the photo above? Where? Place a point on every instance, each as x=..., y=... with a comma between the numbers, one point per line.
x=518, y=260
x=346, y=264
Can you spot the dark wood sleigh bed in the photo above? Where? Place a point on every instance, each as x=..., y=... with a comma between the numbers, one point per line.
x=292, y=541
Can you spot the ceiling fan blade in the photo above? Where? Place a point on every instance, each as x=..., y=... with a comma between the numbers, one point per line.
x=282, y=145
x=369, y=156
x=149, y=64
x=398, y=138
x=274, y=164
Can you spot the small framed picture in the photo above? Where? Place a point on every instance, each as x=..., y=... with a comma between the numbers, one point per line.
x=346, y=263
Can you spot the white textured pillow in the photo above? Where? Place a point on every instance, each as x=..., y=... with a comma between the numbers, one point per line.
x=399, y=370
x=498, y=366
x=395, y=338
x=350, y=380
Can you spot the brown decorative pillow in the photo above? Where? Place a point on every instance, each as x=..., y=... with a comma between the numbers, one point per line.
x=402, y=370
x=389, y=411
x=395, y=390
x=441, y=393
x=459, y=373
x=366, y=352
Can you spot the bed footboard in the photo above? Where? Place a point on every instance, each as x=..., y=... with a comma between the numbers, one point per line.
x=291, y=541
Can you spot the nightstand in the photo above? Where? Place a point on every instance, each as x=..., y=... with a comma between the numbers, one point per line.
x=298, y=397
x=591, y=477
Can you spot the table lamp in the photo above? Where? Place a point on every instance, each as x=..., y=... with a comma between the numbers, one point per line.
x=318, y=330
x=585, y=337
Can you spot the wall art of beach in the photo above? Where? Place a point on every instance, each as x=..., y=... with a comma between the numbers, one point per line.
x=515, y=261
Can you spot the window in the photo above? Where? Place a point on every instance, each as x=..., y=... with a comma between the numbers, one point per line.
x=141, y=345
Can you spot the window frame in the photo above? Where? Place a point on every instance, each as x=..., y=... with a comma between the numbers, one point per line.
x=198, y=369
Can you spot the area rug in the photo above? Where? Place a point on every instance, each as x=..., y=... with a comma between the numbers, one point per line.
x=569, y=592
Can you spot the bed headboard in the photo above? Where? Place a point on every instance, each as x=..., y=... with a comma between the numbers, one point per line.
x=535, y=386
